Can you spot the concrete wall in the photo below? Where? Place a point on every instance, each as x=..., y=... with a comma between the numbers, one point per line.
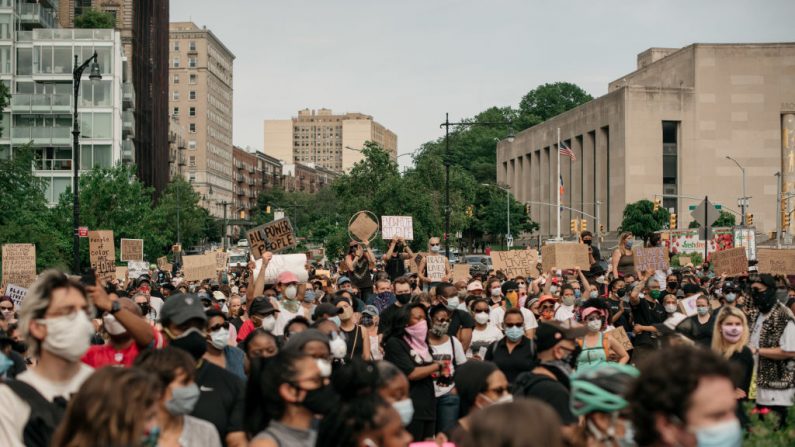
x=278, y=141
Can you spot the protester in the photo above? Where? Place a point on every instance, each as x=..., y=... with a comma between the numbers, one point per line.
x=262, y=314
x=596, y=346
x=461, y=321
x=358, y=265
x=98, y=417
x=219, y=352
x=447, y=349
x=403, y=290
x=484, y=333
x=699, y=327
x=313, y=343
x=479, y=384
x=259, y=344
x=369, y=322
x=357, y=342
x=393, y=387
x=515, y=353
x=622, y=263
x=394, y=259
x=497, y=314
x=510, y=425
x=294, y=326
x=289, y=304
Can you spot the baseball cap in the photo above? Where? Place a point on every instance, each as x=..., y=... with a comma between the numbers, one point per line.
x=182, y=307
x=261, y=306
x=370, y=310
x=342, y=280
x=219, y=296
x=325, y=309
x=548, y=334
x=286, y=278
x=474, y=285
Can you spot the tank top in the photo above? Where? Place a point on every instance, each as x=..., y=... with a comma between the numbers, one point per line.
x=592, y=355
x=626, y=265
x=353, y=340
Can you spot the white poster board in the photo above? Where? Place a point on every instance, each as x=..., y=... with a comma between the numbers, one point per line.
x=435, y=267
x=295, y=263
x=16, y=293
x=401, y=226
x=137, y=268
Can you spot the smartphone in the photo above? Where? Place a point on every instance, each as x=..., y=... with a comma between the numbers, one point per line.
x=88, y=278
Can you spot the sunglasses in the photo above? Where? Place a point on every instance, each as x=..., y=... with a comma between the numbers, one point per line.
x=224, y=325
x=507, y=325
x=7, y=307
x=501, y=390
x=482, y=311
x=434, y=245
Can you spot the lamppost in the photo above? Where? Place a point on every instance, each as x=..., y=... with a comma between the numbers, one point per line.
x=446, y=124
x=226, y=222
x=94, y=75
x=744, y=198
x=507, y=190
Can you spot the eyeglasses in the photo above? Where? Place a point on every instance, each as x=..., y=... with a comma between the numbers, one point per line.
x=224, y=325
x=442, y=321
x=507, y=325
x=548, y=307
x=481, y=311
x=434, y=245
x=522, y=283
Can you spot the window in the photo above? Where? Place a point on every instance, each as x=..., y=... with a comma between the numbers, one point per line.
x=176, y=79
x=192, y=111
x=192, y=177
x=192, y=127
x=175, y=95
x=176, y=111
x=192, y=161
x=670, y=134
x=192, y=144
x=176, y=45
x=24, y=61
x=192, y=62
x=175, y=62
x=192, y=45
x=192, y=95
x=192, y=78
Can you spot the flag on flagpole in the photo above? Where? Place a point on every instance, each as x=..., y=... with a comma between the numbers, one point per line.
x=567, y=152
x=562, y=189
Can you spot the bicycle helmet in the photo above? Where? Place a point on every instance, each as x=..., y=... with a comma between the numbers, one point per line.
x=601, y=388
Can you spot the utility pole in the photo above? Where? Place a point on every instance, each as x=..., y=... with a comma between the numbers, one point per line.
x=778, y=205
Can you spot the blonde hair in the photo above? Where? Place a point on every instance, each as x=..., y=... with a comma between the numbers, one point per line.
x=719, y=344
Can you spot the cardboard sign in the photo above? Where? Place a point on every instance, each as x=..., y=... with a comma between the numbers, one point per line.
x=363, y=227
x=515, y=262
x=163, y=264
x=102, y=253
x=273, y=237
x=460, y=272
x=295, y=263
x=621, y=335
x=652, y=258
x=684, y=260
x=776, y=262
x=401, y=226
x=322, y=273
x=132, y=250
x=688, y=305
x=199, y=267
x=435, y=268
x=16, y=293
x=221, y=259
x=565, y=256
x=19, y=264
x=732, y=262
x=137, y=268
x=121, y=273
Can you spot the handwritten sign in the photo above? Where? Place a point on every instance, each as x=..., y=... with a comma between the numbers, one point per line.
x=401, y=226
x=163, y=264
x=460, y=272
x=620, y=334
x=19, y=264
x=688, y=305
x=295, y=263
x=199, y=267
x=651, y=258
x=102, y=253
x=435, y=268
x=16, y=293
x=515, y=262
x=274, y=237
x=565, y=256
x=363, y=227
x=221, y=259
x=121, y=273
x=776, y=262
x=684, y=260
x=132, y=250
x=732, y=262
x=137, y=268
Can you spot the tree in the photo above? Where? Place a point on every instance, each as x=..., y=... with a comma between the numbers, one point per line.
x=726, y=219
x=178, y=207
x=93, y=18
x=641, y=220
x=550, y=100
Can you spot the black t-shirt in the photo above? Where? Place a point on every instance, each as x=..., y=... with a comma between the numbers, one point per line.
x=521, y=359
x=222, y=399
x=625, y=320
x=551, y=391
x=647, y=313
x=353, y=340
x=360, y=276
x=743, y=363
x=387, y=317
x=237, y=322
x=460, y=319
x=700, y=333
x=395, y=266
x=422, y=393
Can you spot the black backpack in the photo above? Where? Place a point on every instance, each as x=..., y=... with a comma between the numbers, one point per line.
x=44, y=415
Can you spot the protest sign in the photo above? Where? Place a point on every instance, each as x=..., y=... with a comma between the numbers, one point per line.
x=137, y=268
x=17, y=294
x=363, y=227
x=221, y=259
x=102, y=253
x=746, y=238
x=295, y=263
x=684, y=260
x=732, y=262
x=131, y=250
x=565, y=256
x=273, y=237
x=19, y=264
x=651, y=258
x=435, y=267
x=321, y=273
x=515, y=263
x=688, y=305
x=776, y=262
x=199, y=267
x=460, y=272
x=401, y=226
x=620, y=334
x=163, y=264
x=121, y=273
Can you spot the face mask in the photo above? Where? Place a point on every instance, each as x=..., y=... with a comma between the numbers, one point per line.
x=672, y=285
x=593, y=294
x=337, y=346
x=144, y=308
x=641, y=295
x=435, y=248
x=595, y=325
x=220, y=338
x=462, y=294
x=192, y=341
x=324, y=366
x=553, y=289
x=577, y=293
x=723, y=434
x=655, y=294
x=452, y=303
x=701, y=310
x=310, y=296
x=731, y=333
x=405, y=409
x=69, y=336
x=346, y=314
x=730, y=297
x=183, y=399
x=628, y=244
x=504, y=399
x=5, y=363
x=587, y=241
x=112, y=325
x=336, y=320
x=514, y=333
x=8, y=314
x=440, y=329
x=321, y=401
x=496, y=291
x=670, y=308
x=268, y=323
x=403, y=298
x=620, y=293
x=290, y=292
x=567, y=300
x=765, y=300
x=366, y=320
x=482, y=317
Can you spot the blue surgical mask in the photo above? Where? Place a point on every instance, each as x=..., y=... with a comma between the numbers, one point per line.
x=183, y=399
x=405, y=409
x=628, y=244
x=730, y=297
x=514, y=333
x=702, y=310
x=577, y=293
x=336, y=320
x=5, y=363
x=723, y=434
x=594, y=294
x=453, y=302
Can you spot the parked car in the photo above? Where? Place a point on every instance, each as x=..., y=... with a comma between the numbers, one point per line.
x=478, y=264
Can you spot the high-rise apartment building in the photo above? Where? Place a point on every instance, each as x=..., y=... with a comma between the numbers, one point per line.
x=200, y=96
x=325, y=139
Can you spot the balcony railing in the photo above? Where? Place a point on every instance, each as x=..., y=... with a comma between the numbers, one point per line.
x=128, y=123
x=72, y=34
x=27, y=103
x=42, y=135
x=35, y=15
x=128, y=95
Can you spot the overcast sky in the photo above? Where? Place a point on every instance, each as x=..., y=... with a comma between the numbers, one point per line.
x=407, y=62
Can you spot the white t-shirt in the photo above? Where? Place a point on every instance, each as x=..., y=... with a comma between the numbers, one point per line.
x=482, y=339
x=444, y=353
x=284, y=317
x=497, y=314
x=564, y=313
x=767, y=396
x=14, y=412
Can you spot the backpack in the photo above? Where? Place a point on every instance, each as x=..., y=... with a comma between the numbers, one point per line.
x=44, y=415
x=605, y=344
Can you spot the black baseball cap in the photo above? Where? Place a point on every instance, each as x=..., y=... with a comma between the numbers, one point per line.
x=325, y=309
x=181, y=308
x=261, y=306
x=549, y=334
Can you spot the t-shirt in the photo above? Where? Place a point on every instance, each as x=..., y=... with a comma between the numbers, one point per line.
x=395, y=266
x=360, y=276
x=460, y=319
x=283, y=317
x=497, y=315
x=222, y=398
x=199, y=432
x=521, y=359
x=14, y=412
x=564, y=313
x=647, y=313
x=482, y=339
x=554, y=393
x=98, y=356
x=444, y=353
x=245, y=329
x=421, y=391
x=767, y=396
x=614, y=306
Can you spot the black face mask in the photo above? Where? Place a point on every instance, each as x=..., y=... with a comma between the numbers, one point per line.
x=366, y=321
x=587, y=241
x=403, y=298
x=321, y=401
x=193, y=343
x=672, y=285
x=413, y=284
x=144, y=308
x=621, y=292
x=764, y=300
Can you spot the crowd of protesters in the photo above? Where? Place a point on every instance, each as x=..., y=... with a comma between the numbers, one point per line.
x=377, y=355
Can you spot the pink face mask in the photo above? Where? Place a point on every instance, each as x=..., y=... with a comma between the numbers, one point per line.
x=731, y=333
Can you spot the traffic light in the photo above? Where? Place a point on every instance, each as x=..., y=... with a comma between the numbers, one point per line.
x=583, y=225
x=574, y=225
x=657, y=204
x=785, y=220
x=672, y=221
x=749, y=219
x=601, y=229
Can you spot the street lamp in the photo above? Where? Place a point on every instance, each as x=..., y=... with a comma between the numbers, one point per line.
x=744, y=198
x=94, y=75
x=507, y=190
x=446, y=124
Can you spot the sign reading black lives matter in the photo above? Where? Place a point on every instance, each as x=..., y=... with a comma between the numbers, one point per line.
x=273, y=237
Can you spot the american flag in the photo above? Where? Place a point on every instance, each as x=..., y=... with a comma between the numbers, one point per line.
x=562, y=189
x=567, y=152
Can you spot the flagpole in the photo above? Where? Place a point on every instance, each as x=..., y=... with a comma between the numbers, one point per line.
x=558, y=182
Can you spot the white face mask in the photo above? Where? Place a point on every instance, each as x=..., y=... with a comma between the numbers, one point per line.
x=290, y=292
x=337, y=346
x=504, y=399
x=220, y=338
x=482, y=317
x=436, y=248
x=112, y=325
x=268, y=323
x=670, y=308
x=496, y=291
x=595, y=325
x=69, y=336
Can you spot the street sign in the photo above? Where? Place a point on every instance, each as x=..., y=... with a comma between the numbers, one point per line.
x=705, y=214
x=82, y=231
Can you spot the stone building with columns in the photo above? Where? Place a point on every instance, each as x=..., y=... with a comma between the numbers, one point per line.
x=667, y=128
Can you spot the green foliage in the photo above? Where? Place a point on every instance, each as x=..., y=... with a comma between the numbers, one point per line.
x=726, y=219
x=641, y=219
x=4, y=98
x=549, y=100
x=92, y=18
x=764, y=432
x=178, y=208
